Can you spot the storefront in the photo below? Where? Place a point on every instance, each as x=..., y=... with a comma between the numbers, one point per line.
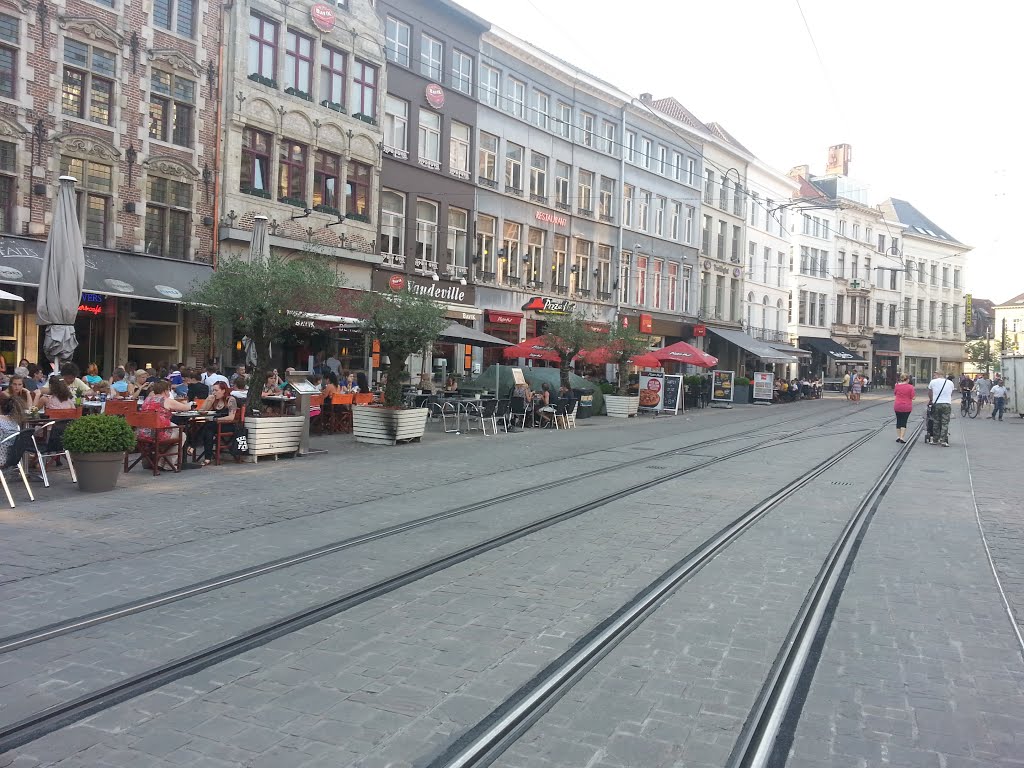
x=829, y=358
x=504, y=325
x=753, y=354
x=885, y=359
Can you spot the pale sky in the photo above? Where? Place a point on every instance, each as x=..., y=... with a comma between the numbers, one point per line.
x=926, y=91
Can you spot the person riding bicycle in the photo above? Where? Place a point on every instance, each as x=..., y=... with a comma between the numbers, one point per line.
x=966, y=386
x=982, y=388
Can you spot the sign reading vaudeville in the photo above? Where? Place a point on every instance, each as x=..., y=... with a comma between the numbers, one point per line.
x=443, y=291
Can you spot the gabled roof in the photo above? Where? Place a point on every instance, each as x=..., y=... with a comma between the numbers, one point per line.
x=915, y=221
x=674, y=109
x=717, y=130
x=808, y=191
x=1013, y=302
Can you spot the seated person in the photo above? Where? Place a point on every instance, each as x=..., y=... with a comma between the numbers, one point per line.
x=350, y=386
x=544, y=406
x=92, y=375
x=119, y=385
x=451, y=385
x=55, y=396
x=271, y=386
x=195, y=390
x=224, y=407
x=16, y=390
x=161, y=402
x=12, y=421
x=101, y=389
x=240, y=389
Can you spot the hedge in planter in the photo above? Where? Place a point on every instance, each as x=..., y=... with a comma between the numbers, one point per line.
x=97, y=445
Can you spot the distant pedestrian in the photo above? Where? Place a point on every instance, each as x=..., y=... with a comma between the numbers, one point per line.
x=984, y=389
x=998, y=400
x=846, y=384
x=904, y=392
x=940, y=395
x=856, y=385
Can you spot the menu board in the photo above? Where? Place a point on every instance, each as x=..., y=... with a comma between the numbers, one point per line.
x=652, y=387
x=764, y=384
x=670, y=400
x=721, y=386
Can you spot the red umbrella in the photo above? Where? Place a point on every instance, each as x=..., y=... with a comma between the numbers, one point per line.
x=681, y=352
x=605, y=355
x=532, y=349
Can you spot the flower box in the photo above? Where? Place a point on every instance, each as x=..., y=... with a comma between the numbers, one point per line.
x=387, y=426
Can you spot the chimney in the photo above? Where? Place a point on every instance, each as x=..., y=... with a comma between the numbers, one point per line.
x=798, y=171
x=646, y=98
x=839, y=157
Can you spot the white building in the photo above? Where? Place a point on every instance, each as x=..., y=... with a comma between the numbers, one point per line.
x=1009, y=324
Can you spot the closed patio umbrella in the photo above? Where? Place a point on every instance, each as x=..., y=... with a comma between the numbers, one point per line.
x=62, y=276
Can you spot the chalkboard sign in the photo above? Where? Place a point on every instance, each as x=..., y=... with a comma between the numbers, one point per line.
x=670, y=401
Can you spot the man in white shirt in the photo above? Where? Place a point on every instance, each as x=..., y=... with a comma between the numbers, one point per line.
x=983, y=388
x=940, y=394
x=334, y=364
x=211, y=377
x=998, y=400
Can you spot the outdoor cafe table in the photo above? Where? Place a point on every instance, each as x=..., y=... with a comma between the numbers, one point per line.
x=284, y=401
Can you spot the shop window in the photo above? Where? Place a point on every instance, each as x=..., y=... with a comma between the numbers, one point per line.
x=168, y=217
x=171, y=108
x=153, y=332
x=88, y=87
x=357, y=190
x=93, y=194
x=10, y=311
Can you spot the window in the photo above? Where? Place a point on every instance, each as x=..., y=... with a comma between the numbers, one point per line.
x=691, y=171
x=263, y=48
x=672, y=287
x=855, y=267
x=607, y=196
x=255, y=172
x=956, y=278
x=538, y=177
x=630, y=147
x=431, y=57
x=515, y=90
x=541, y=110
x=8, y=184
x=458, y=231
x=825, y=229
x=332, y=78
x=586, y=129
x=559, y=261
x=803, y=308
x=604, y=271
x=659, y=216
x=426, y=235
x=326, y=180
x=485, y=231
x=627, y=205
x=398, y=42
x=509, y=264
x=535, y=249
x=643, y=207
x=751, y=255
x=840, y=308
x=867, y=234
x=663, y=161
x=93, y=197
x=585, y=192
x=780, y=265
x=624, y=260
x=841, y=265
x=892, y=315
x=10, y=32
x=922, y=272
x=766, y=264
x=562, y=173
x=430, y=139
x=88, y=89
x=363, y=98
x=488, y=169
x=396, y=126
x=705, y=237
x=514, y=169
x=688, y=221
x=879, y=312
x=291, y=172
x=722, y=234
x=458, y=150
x=945, y=276
x=881, y=243
x=647, y=150
x=842, y=227
x=709, y=188
x=564, y=122
x=687, y=279
x=931, y=315
x=955, y=327
x=935, y=274
x=657, y=266
x=392, y=225
x=737, y=201
x=175, y=15
x=490, y=81
x=462, y=72
x=609, y=137
x=892, y=279
x=298, y=62
x=736, y=243
x=171, y=107
x=677, y=166
x=856, y=231
x=584, y=249
x=641, y=280
x=168, y=217
x=920, y=314
x=723, y=194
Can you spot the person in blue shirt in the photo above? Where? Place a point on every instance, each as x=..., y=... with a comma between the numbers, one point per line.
x=119, y=386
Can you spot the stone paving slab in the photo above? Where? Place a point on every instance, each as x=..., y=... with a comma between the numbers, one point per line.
x=389, y=678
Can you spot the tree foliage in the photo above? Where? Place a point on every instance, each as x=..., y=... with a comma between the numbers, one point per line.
x=404, y=323
x=254, y=299
x=625, y=342
x=568, y=335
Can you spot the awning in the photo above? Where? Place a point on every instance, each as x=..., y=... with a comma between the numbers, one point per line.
x=502, y=317
x=461, y=334
x=112, y=273
x=790, y=350
x=322, y=322
x=833, y=349
x=758, y=349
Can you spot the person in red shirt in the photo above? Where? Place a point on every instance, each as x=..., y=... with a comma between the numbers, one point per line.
x=904, y=404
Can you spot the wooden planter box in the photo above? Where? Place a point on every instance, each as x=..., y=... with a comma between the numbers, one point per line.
x=273, y=435
x=620, y=406
x=387, y=426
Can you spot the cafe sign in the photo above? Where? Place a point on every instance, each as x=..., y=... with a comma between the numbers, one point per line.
x=322, y=16
x=435, y=95
x=546, y=305
x=439, y=290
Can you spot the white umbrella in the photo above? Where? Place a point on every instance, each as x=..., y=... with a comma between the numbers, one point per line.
x=62, y=276
x=259, y=245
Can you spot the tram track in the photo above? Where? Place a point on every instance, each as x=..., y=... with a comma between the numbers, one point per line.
x=482, y=744
x=60, y=715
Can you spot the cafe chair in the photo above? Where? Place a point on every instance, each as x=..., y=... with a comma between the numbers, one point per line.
x=121, y=407
x=226, y=434
x=364, y=398
x=54, y=431
x=500, y=415
x=316, y=414
x=569, y=415
x=158, y=449
x=17, y=445
x=518, y=410
x=450, y=411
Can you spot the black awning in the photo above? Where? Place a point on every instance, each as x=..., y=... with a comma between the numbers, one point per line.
x=831, y=348
x=112, y=273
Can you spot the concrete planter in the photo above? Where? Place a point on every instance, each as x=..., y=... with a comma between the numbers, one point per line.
x=98, y=472
x=621, y=406
x=387, y=426
x=273, y=435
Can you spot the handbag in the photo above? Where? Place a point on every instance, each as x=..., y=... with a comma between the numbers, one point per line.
x=240, y=444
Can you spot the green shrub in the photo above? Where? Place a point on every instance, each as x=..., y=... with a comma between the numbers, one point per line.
x=99, y=434
x=693, y=380
x=608, y=389
x=742, y=381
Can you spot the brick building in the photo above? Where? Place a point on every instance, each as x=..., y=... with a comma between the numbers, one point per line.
x=121, y=95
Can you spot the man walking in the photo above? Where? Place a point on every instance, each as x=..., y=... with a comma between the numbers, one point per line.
x=998, y=400
x=983, y=388
x=940, y=395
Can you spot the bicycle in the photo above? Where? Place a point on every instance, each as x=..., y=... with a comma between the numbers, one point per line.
x=968, y=405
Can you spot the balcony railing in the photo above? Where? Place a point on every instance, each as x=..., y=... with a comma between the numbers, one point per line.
x=769, y=334
x=425, y=267
x=394, y=259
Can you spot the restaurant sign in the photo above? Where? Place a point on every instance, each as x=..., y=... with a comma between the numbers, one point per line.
x=323, y=16
x=91, y=304
x=548, y=306
x=439, y=290
x=435, y=95
x=551, y=218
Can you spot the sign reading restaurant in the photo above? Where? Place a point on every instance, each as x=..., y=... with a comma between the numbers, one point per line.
x=551, y=218
x=442, y=291
x=548, y=306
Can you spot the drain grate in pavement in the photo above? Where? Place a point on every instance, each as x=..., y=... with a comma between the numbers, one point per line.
x=655, y=466
x=641, y=448
x=840, y=482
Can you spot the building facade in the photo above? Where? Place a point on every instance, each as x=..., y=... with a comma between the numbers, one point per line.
x=1009, y=325
x=120, y=94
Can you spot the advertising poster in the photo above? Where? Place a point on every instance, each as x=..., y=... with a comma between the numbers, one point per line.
x=670, y=400
x=652, y=388
x=764, y=384
x=721, y=386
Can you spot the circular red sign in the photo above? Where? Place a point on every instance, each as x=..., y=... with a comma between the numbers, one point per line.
x=323, y=16
x=435, y=95
x=396, y=282
x=654, y=385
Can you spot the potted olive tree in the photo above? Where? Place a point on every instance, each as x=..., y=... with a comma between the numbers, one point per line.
x=98, y=445
x=624, y=343
x=568, y=335
x=403, y=323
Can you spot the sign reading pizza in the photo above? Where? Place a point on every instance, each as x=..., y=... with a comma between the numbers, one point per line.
x=548, y=306
x=396, y=282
